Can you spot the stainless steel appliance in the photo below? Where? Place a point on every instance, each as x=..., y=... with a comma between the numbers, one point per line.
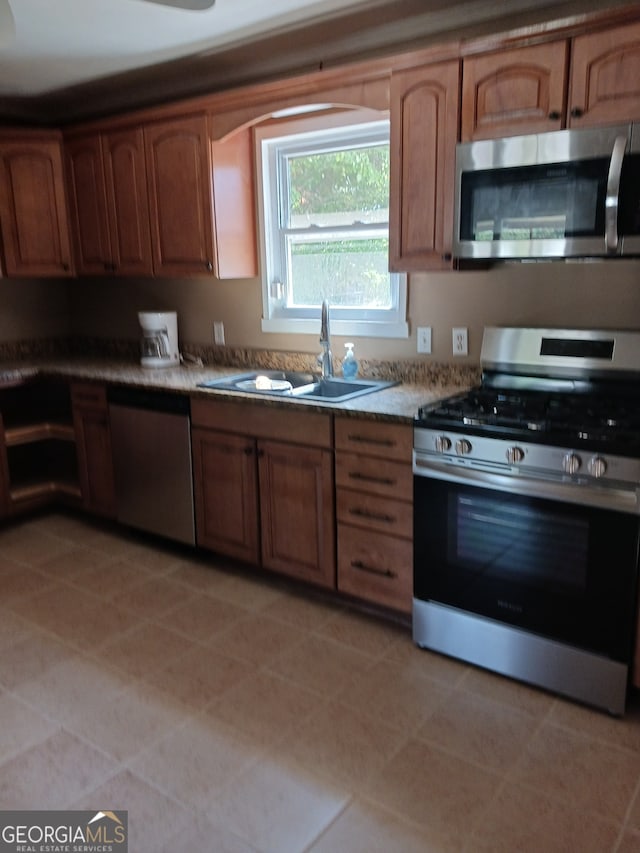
x=151, y=443
x=527, y=513
x=564, y=194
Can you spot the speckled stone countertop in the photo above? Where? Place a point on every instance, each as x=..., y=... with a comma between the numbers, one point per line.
x=419, y=383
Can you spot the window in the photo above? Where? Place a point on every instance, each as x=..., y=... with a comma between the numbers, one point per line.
x=325, y=227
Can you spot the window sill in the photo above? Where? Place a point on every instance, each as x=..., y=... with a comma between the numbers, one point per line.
x=346, y=328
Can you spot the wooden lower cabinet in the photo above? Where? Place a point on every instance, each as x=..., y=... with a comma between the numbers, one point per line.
x=93, y=445
x=296, y=504
x=374, y=503
x=263, y=487
x=39, y=462
x=375, y=567
x=4, y=475
x=226, y=493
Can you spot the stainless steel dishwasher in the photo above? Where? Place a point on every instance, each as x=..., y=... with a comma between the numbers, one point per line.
x=151, y=441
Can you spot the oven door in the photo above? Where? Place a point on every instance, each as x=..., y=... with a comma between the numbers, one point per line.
x=557, y=569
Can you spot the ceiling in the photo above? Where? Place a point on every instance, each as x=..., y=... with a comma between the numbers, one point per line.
x=76, y=59
x=60, y=43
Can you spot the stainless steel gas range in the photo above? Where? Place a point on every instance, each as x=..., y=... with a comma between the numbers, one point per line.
x=527, y=513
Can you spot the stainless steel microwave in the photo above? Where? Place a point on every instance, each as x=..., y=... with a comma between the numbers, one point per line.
x=564, y=194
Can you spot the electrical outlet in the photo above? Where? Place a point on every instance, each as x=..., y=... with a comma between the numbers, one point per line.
x=218, y=332
x=424, y=339
x=460, y=341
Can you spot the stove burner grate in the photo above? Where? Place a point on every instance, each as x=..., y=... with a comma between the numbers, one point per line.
x=564, y=418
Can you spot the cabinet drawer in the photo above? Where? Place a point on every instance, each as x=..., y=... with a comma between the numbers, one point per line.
x=376, y=476
x=89, y=395
x=306, y=428
x=375, y=513
x=389, y=441
x=375, y=567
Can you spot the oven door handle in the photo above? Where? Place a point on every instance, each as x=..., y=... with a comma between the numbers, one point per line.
x=620, y=500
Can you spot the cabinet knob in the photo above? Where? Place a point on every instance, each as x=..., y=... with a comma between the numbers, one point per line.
x=554, y=115
x=209, y=266
x=577, y=112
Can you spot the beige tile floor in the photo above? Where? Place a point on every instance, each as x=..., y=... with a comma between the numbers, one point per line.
x=231, y=713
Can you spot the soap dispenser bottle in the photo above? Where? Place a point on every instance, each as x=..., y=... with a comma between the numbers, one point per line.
x=349, y=363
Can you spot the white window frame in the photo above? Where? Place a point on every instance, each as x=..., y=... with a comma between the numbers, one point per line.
x=272, y=141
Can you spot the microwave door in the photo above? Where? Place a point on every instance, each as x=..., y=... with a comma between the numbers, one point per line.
x=629, y=207
x=553, y=195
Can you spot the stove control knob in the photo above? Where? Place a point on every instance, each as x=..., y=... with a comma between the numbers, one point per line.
x=571, y=463
x=443, y=443
x=597, y=467
x=463, y=446
x=514, y=455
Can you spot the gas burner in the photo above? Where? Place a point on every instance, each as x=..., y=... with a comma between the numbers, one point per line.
x=587, y=421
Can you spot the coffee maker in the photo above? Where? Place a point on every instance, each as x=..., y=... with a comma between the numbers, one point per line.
x=159, y=344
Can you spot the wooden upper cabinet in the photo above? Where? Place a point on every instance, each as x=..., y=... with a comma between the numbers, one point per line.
x=605, y=77
x=88, y=203
x=234, y=206
x=178, y=171
x=108, y=198
x=201, y=198
x=424, y=132
x=33, y=208
x=127, y=201
x=514, y=91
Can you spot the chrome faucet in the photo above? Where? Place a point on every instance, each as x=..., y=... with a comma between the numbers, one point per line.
x=325, y=359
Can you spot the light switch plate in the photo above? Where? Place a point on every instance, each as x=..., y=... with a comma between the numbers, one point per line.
x=423, y=334
x=218, y=332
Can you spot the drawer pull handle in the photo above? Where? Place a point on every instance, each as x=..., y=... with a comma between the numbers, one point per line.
x=373, y=570
x=363, y=439
x=385, y=481
x=375, y=516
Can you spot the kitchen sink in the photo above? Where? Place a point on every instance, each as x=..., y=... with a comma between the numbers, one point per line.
x=297, y=385
x=338, y=390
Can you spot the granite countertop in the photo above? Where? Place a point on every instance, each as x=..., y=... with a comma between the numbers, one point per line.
x=399, y=402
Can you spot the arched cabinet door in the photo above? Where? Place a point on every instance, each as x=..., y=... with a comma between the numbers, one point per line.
x=424, y=129
x=178, y=171
x=127, y=202
x=88, y=204
x=605, y=77
x=513, y=92
x=33, y=209
x=201, y=203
